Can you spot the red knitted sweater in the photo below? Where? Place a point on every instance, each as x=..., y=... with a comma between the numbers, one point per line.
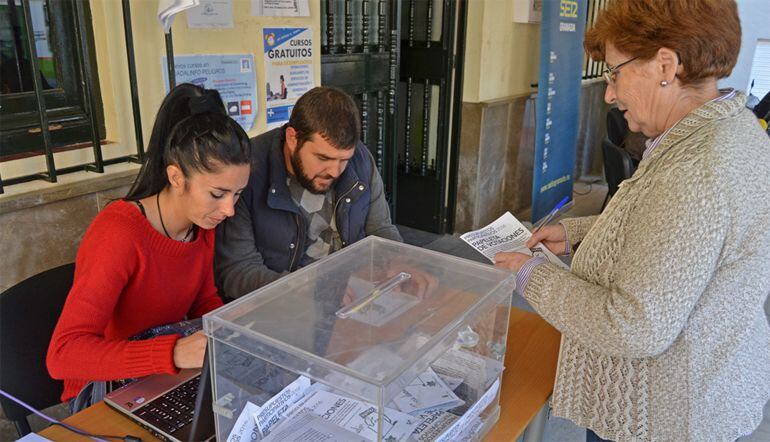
x=128, y=278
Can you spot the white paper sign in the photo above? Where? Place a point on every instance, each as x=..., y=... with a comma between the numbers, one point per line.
x=288, y=70
x=216, y=14
x=280, y=8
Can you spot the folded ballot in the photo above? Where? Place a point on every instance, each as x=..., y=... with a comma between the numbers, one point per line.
x=507, y=234
x=426, y=392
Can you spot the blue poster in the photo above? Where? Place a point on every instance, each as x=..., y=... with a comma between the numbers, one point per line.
x=232, y=75
x=558, y=103
x=288, y=56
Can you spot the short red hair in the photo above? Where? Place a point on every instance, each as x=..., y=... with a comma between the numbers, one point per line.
x=706, y=34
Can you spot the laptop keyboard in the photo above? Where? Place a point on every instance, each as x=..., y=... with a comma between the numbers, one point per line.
x=174, y=409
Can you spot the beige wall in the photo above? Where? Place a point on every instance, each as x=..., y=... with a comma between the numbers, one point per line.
x=244, y=38
x=149, y=47
x=501, y=58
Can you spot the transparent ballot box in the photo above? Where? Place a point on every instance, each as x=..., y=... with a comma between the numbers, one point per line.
x=380, y=341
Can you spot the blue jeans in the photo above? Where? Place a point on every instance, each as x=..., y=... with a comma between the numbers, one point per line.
x=592, y=437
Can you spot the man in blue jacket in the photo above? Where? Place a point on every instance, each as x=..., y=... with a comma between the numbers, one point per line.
x=314, y=188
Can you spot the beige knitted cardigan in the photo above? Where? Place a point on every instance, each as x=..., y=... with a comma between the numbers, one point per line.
x=664, y=333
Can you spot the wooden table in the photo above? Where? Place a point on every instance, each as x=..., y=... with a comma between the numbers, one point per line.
x=530, y=361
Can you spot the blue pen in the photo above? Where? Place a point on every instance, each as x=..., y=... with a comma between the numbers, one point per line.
x=551, y=214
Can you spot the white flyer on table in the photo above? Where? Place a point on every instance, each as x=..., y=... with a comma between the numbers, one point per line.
x=507, y=234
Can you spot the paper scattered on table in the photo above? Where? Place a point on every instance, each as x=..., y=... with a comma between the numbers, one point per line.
x=467, y=423
x=307, y=426
x=426, y=392
x=353, y=415
x=382, y=310
x=507, y=234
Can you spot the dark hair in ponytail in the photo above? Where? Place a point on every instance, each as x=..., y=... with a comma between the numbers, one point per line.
x=192, y=131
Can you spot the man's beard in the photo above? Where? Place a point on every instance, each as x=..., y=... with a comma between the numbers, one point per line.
x=304, y=180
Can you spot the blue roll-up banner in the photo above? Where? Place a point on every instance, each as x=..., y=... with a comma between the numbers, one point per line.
x=558, y=102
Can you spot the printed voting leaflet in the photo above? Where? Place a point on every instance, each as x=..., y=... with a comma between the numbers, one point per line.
x=507, y=234
x=432, y=425
x=426, y=392
x=254, y=418
x=352, y=415
x=470, y=422
x=307, y=426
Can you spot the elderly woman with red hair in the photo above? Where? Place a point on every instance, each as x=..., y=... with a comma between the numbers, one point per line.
x=664, y=333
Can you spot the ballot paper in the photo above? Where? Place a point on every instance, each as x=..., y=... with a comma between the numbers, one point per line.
x=352, y=415
x=507, y=234
x=245, y=427
x=307, y=426
x=432, y=424
x=451, y=381
x=476, y=370
x=271, y=411
x=255, y=421
x=426, y=392
x=470, y=422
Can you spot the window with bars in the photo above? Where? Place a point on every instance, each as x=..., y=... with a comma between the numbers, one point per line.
x=66, y=77
x=593, y=69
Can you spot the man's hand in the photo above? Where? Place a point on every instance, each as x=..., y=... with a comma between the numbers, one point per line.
x=511, y=260
x=189, y=351
x=553, y=237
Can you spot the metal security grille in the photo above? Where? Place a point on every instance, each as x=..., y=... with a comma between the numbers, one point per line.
x=432, y=48
x=359, y=54
x=593, y=69
x=85, y=70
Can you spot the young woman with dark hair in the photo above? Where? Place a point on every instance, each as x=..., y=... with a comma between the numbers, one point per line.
x=147, y=260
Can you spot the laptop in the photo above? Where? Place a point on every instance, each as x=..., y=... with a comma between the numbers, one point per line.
x=175, y=408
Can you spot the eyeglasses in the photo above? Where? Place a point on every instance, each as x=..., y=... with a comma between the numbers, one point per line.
x=612, y=71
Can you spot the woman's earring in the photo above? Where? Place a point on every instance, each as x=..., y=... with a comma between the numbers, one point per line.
x=663, y=83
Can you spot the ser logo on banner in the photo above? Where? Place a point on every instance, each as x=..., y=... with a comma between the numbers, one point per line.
x=568, y=8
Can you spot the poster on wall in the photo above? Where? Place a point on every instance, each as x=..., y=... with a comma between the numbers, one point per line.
x=212, y=14
x=288, y=70
x=232, y=75
x=558, y=103
x=280, y=8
